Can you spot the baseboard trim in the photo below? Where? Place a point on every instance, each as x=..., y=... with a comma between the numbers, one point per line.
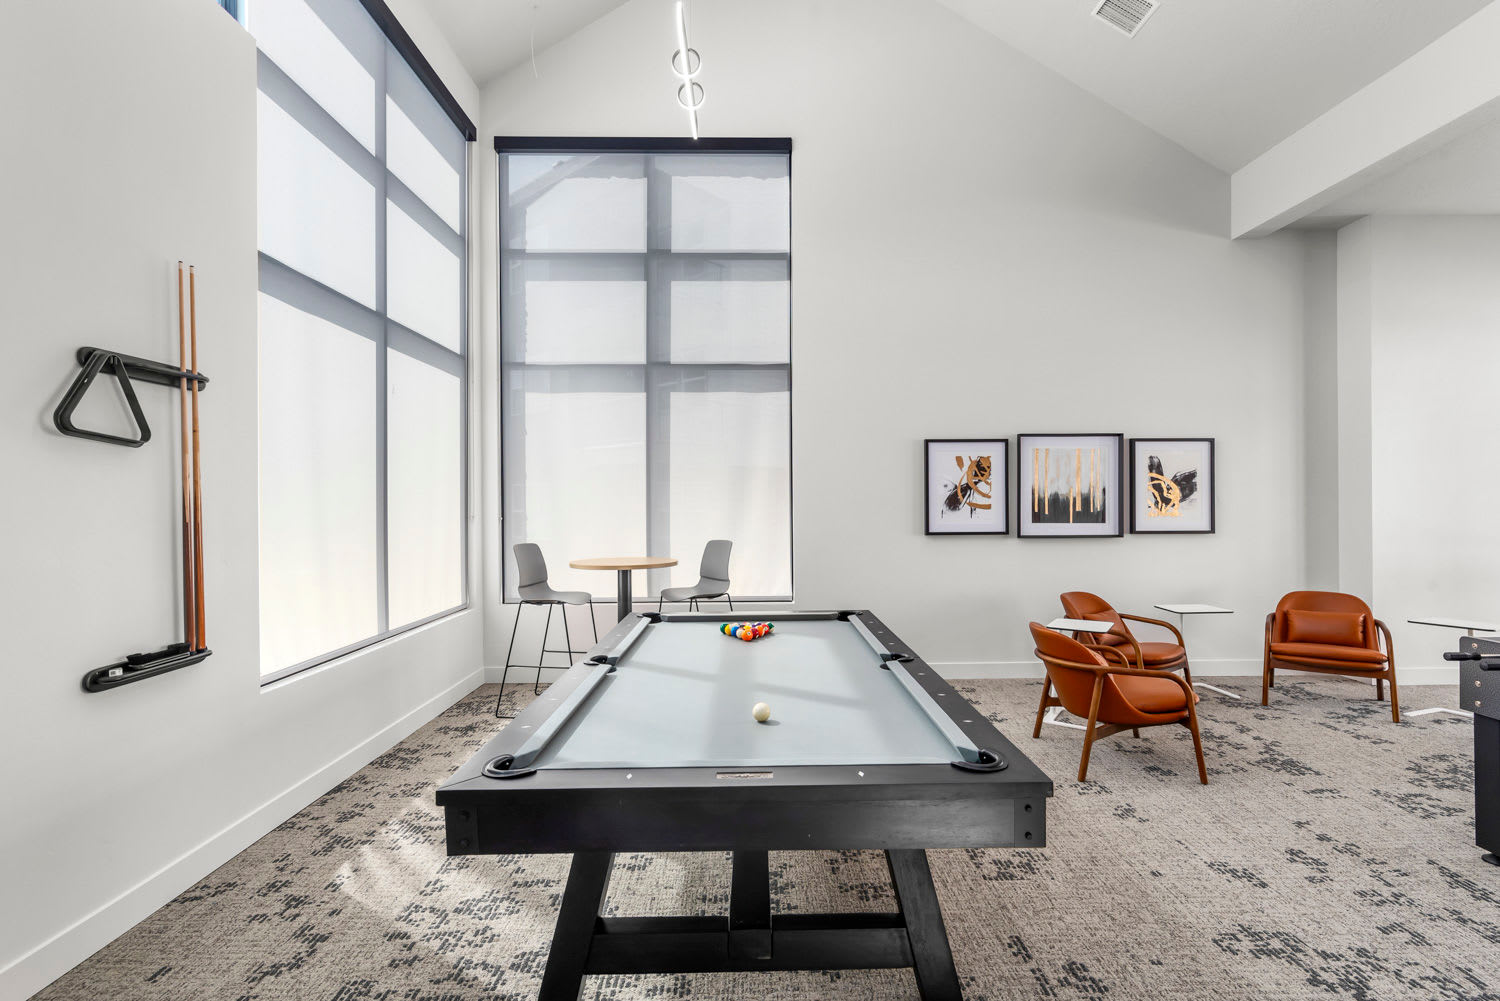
x=956, y=670
x=34, y=970
x=1227, y=668
x=980, y=670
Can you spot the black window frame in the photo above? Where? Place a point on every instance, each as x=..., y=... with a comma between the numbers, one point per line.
x=292, y=284
x=573, y=145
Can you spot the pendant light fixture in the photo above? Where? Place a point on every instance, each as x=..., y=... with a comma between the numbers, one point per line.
x=686, y=63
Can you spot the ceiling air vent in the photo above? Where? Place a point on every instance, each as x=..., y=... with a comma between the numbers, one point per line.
x=1125, y=15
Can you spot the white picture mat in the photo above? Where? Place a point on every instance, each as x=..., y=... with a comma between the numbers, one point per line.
x=1109, y=446
x=943, y=473
x=1197, y=513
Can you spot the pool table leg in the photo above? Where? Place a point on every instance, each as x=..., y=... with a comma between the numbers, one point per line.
x=932, y=959
x=588, y=882
x=750, y=906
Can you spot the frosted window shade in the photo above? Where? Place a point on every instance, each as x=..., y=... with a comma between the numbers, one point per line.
x=589, y=310
x=297, y=40
x=731, y=467
x=424, y=412
x=423, y=284
x=317, y=214
x=585, y=492
x=317, y=466
x=416, y=161
x=576, y=204
x=646, y=363
x=362, y=337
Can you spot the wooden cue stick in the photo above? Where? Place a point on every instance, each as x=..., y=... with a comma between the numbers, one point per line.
x=197, y=477
x=189, y=616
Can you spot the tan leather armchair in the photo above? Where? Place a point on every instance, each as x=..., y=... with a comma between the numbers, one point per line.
x=1325, y=632
x=1146, y=656
x=1112, y=698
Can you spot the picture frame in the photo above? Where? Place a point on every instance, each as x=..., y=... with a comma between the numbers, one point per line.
x=1070, y=486
x=1173, y=486
x=966, y=486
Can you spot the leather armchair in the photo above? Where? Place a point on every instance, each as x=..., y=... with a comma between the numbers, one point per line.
x=1325, y=632
x=1147, y=656
x=1112, y=698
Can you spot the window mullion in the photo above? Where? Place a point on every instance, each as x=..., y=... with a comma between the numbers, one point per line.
x=656, y=375
x=382, y=367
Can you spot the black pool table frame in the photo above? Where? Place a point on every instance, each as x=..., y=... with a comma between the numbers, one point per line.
x=595, y=812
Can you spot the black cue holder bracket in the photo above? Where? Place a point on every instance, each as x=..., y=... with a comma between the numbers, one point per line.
x=127, y=370
x=140, y=666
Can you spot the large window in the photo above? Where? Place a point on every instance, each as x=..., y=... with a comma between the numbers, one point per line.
x=363, y=340
x=645, y=296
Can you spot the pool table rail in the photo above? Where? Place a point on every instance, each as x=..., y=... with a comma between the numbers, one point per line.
x=708, y=808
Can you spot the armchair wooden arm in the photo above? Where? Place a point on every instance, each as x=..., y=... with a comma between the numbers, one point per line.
x=1100, y=670
x=1157, y=622
x=1390, y=651
x=1092, y=642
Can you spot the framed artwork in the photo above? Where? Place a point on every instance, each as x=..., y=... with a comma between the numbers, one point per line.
x=1068, y=486
x=966, y=489
x=1172, y=485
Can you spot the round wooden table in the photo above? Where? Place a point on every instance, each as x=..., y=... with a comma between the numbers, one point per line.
x=622, y=565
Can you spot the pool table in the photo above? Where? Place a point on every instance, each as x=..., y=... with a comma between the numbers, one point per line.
x=649, y=745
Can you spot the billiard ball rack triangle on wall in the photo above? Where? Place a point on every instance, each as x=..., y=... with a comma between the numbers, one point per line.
x=127, y=371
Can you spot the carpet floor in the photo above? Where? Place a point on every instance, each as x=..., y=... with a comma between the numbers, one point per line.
x=1331, y=856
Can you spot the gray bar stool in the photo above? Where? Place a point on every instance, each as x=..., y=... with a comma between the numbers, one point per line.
x=533, y=589
x=713, y=579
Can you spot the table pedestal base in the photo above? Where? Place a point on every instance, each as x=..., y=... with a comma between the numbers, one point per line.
x=623, y=600
x=1437, y=709
x=750, y=938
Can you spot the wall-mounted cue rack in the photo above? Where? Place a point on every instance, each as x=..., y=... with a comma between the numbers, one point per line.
x=127, y=371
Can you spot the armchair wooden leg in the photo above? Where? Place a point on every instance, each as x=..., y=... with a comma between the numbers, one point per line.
x=1265, y=681
x=1395, y=701
x=1192, y=725
x=1088, y=734
x=1380, y=689
x=1187, y=673
x=1041, y=710
x=1135, y=732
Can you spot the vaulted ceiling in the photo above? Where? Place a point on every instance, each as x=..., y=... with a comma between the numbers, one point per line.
x=1226, y=79
x=493, y=36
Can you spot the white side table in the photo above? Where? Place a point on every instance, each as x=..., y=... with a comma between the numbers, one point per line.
x=1067, y=625
x=1182, y=611
x=1468, y=626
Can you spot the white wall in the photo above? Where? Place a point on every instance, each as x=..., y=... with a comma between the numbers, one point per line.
x=979, y=248
x=1320, y=410
x=1355, y=300
x=1421, y=330
x=129, y=142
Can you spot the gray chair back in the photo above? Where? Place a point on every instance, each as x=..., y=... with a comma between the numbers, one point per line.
x=715, y=565
x=530, y=567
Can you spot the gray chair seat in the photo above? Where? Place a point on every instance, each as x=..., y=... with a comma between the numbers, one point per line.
x=705, y=588
x=536, y=594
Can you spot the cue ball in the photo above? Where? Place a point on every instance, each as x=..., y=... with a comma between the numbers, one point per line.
x=761, y=712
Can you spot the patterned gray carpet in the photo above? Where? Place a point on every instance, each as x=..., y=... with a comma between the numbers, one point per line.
x=1331, y=857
